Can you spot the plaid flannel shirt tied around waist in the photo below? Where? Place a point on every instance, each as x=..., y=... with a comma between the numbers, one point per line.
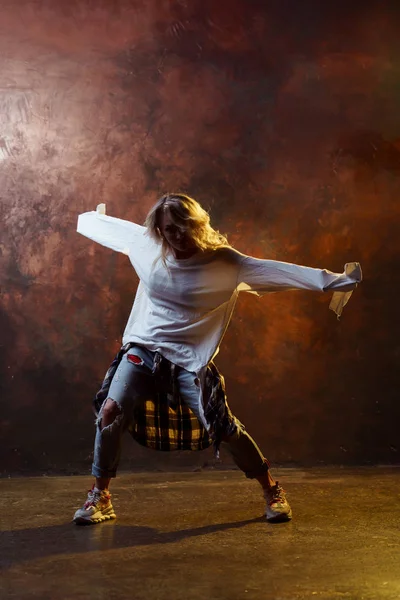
x=164, y=422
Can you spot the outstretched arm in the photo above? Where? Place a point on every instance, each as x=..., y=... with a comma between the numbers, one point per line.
x=111, y=232
x=263, y=276
x=272, y=276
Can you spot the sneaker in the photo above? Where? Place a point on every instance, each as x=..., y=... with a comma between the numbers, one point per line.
x=96, y=509
x=278, y=508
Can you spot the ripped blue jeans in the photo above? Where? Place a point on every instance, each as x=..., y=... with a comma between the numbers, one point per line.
x=133, y=381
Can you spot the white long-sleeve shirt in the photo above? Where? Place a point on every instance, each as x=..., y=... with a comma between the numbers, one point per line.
x=182, y=311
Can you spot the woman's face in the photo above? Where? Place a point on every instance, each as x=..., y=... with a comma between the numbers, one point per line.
x=178, y=238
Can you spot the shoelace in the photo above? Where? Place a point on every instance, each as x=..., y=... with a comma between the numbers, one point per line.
x=93, y=498
x=277, y=495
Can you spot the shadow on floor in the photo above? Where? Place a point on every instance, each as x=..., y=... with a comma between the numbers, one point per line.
x=30, y=544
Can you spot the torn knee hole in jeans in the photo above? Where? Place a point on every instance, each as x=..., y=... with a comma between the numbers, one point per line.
x=115, y=413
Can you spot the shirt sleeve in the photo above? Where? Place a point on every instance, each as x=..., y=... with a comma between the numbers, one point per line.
x=111, y=232
x=263, y=276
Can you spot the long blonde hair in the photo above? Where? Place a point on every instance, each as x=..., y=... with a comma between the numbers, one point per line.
x=185, y=213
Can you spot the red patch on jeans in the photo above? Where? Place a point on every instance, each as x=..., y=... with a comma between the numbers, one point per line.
x=135, y=359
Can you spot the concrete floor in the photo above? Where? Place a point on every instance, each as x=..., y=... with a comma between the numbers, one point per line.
x=201, y=535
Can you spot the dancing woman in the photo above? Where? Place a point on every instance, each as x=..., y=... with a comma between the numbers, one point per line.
x=190, y=278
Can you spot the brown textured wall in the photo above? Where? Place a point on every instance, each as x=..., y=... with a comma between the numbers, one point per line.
x=283, y=118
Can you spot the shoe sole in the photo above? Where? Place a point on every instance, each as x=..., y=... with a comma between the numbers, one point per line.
x=280, y=518
x=83, y=521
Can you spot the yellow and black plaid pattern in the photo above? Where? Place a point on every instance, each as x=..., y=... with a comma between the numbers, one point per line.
x=159, y=426
x=164, y=425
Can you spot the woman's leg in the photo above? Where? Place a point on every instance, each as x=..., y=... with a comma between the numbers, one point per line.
x=244, y=451
x=248, y=456
x=132, y=382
